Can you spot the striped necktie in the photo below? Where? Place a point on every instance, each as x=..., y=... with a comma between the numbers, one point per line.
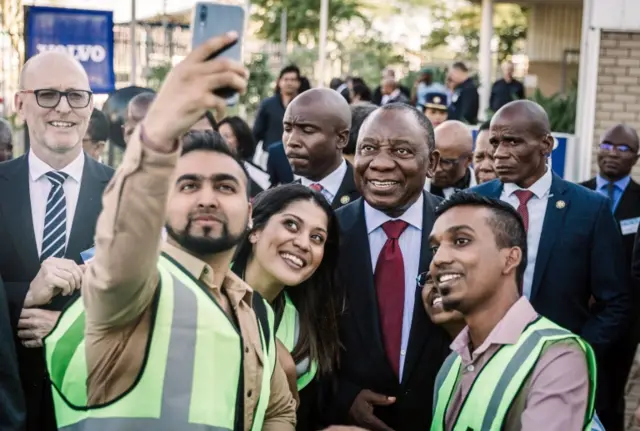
x=54, y=237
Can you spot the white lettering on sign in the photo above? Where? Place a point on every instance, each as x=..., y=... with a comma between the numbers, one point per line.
x=95, y=53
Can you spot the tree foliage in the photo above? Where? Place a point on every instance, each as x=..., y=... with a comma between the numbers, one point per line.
x=368, y=55
x=260, y=83
x=303, y=18
x=459, y=27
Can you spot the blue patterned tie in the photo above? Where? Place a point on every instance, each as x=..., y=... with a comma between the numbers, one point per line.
x=54, y=238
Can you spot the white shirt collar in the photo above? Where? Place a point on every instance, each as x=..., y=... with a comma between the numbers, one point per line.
x=38, y=168
x=376, y=218
x=540, y=188
x=331, y=182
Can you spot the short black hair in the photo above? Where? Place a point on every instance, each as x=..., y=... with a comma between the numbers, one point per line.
x=359, y=113
x=305, y=85
x=98, y=126
x=210, y=140
x=424, y=122
x=335, y=83
x=506, y=224
x=484, y=126
x=292, y=68
x=360, y=89
x=460, y=66
x=242, y=132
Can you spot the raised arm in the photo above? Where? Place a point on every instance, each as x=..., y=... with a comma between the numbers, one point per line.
x=120, y=282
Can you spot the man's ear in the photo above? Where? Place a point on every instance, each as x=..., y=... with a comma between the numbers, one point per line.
x=19, y=105
x=513, y=259
x=343, y=139
x=547, y=145
x=434, y=160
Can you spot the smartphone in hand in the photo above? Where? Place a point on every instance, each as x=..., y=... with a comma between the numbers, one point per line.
x=213, y=19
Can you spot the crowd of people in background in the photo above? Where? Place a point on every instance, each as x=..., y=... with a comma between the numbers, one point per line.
x=354, y=260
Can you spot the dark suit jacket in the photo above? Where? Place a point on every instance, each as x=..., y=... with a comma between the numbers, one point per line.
x=580, y=255
x=628, y=207
x=12, y=411
x=20, y=263
x=364, y=364
x=615, y=371
x=278, y=166
x=466, y=103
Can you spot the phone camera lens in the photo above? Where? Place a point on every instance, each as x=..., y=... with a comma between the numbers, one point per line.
x=203, y=13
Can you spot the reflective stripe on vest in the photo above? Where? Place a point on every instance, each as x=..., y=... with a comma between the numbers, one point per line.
x=288, y=333
x=501, y=379
x=190, y=375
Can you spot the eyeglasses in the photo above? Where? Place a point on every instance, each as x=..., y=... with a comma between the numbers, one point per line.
x=608, y=146
x=49, y=98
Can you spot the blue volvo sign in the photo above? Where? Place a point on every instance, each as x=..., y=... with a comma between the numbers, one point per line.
x=87, y=35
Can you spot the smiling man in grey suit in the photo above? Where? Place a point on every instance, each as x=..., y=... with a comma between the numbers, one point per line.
x=51, y=198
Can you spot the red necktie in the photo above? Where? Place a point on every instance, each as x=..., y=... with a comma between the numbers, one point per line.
x=524, y=196
x=317, y=187
x=389, y=281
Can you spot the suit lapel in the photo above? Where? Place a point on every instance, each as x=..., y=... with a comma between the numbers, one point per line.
x=363, y=302
x=629, y=202
x=94, y=180
x=16, y=207
x=347, y=191
x=557, y=207
x=420, y=320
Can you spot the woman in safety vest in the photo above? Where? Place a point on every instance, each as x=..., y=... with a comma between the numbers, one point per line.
x=453, y=322
x=290, y=256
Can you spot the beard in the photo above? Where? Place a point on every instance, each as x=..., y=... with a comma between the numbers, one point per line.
x=204, y=245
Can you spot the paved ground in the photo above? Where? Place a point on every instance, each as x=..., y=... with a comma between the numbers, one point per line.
x=633, y=393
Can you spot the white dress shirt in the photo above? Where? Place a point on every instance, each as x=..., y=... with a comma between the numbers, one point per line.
x=410, y=244
x=40, y=186
x=331, y=183
x=537, y=207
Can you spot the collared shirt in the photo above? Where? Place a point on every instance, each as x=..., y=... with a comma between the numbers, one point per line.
x=40, y=186
x=537, y=207
x=120, y=282
x=410, y=243
x=331, y=183
x=554, y=398
x=618, y=189
x=394, y=95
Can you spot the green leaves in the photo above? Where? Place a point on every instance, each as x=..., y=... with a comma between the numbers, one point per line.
x=460, y=26
x=303, y=18
x=260, y=84
x=560, y=107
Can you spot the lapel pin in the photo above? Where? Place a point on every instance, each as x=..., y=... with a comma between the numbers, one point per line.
x=345, y=200
x=560, y=204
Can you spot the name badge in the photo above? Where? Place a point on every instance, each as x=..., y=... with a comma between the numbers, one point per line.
x=87, y=255
x=629, y=226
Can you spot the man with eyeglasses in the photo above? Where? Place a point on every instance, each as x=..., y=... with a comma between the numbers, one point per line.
x=51, y=198
x=454, y=142
x=617, y=155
